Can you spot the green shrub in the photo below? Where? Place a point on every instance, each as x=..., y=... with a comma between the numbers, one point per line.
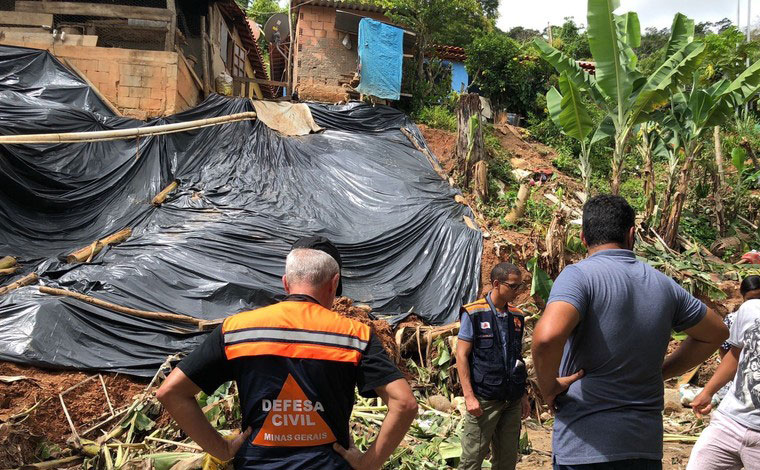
x=439, y=117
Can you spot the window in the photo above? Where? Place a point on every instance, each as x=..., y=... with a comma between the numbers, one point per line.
x=237, y=60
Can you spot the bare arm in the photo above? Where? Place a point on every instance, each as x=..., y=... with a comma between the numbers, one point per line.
x=704, y=338
x=402, y=409
x=177, y=394
x=726, y=371
x=463, y=371
x=549, y=338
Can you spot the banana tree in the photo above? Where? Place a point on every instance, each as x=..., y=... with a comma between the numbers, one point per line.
x=623, y=93
x=570, y=114
x=693, y=113
x=650, y=144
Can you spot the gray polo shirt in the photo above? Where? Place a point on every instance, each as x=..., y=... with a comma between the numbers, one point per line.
x=627, y=311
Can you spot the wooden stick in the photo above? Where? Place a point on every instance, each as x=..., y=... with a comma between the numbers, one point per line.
x=24, y=281
x=116, y=134
x=161, y=197
x=165, y=316
x=86, y=253
x=92, y=86
x=7, y=262
x=426, y=152
x=9, y=271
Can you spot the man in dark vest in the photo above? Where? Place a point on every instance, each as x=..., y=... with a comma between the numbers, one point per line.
x=297, y=365
x=492, y=373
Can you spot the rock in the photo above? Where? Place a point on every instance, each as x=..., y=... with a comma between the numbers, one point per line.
x=460, y=405
x=672, y=401
x=440, y=403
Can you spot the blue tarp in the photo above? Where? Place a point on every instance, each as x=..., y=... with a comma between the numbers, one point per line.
x=381, y=52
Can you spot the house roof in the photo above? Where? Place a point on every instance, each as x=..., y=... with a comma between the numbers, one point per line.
x=452, y=53
x=344, y=5
x=589, y=67
x=231, y=9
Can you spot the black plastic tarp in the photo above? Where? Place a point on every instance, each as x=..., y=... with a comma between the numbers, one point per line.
x=217, y=246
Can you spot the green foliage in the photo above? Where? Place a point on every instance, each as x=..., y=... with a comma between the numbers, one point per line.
x=726, y=54
x=541, y=283
x=432, y=89
x=261, y=10
x=571, y=40
x=498, y=66
x=738, y=156
x=439, y=117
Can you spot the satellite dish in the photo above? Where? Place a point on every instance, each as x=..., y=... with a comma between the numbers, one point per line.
x=276, y=29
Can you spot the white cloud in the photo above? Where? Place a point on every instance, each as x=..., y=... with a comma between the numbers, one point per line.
x=537, y=14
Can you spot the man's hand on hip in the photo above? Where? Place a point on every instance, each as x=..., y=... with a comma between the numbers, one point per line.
x=561, y=384
x=234, y=443
x=473, y=406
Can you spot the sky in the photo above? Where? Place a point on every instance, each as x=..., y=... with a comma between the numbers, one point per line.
x=658, y=13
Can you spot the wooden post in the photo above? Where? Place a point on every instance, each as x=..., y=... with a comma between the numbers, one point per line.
x=481, y=180
x=87, y=253
x=522, y=199
x=161, y=197
x=205, y=57
x=290, y=49
x=9, y=271
x=470, y=147
x=171, y=26
x=719, y=155
x=24, y=281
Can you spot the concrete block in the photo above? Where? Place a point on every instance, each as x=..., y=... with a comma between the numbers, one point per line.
x=127, y=101
x=317, y=25
x=130, y=80
x=151, y=104
x=320, y=33
x=139, y=92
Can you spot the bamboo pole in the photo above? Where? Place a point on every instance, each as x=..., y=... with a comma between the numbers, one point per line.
x=87, y=253
x=8, y=262
x=24, y=281
x=161, y=197
x=165, y=316
x=116, y=134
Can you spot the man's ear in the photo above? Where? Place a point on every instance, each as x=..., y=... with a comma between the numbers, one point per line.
x=631, y=237
x=583, y=239
x=285, y=284
x=335, y=282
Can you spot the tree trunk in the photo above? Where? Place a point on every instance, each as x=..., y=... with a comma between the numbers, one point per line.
x=679, y=199
x=617, y=168
x=720, y=212
x=748, y=147
x=481, y=180
x=470, y=145
x=522, y=199
x=649, y=182
x=668, y=196
x=719, y=156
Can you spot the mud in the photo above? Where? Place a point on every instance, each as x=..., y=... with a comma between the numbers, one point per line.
x=381, y=328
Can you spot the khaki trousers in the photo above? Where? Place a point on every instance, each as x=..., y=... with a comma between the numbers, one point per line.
x=498, y=427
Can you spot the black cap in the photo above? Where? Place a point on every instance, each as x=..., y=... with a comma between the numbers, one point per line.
x=315, y=242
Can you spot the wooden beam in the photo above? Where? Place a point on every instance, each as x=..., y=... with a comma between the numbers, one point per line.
x=92, y=86
x=171, y=27
x=194, y=76
x=261, y=81
x=85, y=254
x=24, y=281
x=95, y=9
x=22, y=18
x=204, y=57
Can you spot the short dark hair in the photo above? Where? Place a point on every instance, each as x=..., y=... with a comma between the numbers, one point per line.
x=607, y=219
x=501, y=272
x=750, y=283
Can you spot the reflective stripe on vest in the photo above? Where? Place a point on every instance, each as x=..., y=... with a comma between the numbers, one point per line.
x=302, y=330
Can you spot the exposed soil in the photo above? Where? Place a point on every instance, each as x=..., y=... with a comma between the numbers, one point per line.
x=442, y=144
x=47, y=422
x=381, y=328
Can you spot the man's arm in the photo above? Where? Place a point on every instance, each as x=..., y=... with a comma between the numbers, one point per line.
x=726, y=371
x=704, y=338
x=463, y=370
x=177, y=394
x=549, y=338
x=402, y=409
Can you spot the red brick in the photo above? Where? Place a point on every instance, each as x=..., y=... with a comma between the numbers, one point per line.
x=128, y=102
x=317, y=25
x=139, y=92
x=307, y=32
x=151, y=103
x=130, y=80
x=320, y=33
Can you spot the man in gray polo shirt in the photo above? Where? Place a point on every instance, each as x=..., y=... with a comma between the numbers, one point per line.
x=599, y=348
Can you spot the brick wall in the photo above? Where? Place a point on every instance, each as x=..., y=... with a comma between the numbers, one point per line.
x=320, y=57
x=141, y=84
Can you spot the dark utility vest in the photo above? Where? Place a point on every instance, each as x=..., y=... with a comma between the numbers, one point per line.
x=496, y=376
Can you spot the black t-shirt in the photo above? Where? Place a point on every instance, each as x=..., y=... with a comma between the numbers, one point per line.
x=208, y=367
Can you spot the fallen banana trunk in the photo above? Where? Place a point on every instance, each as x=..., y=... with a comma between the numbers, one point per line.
x=163, y=316
x=9, y=271
x=411, y=339
x=8, y=262
x=24, y=281
x=86, y=254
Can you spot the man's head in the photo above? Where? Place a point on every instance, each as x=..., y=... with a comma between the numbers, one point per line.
x=750, y=287
x=608, y=219
x=313, y=268
x=506, y=280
